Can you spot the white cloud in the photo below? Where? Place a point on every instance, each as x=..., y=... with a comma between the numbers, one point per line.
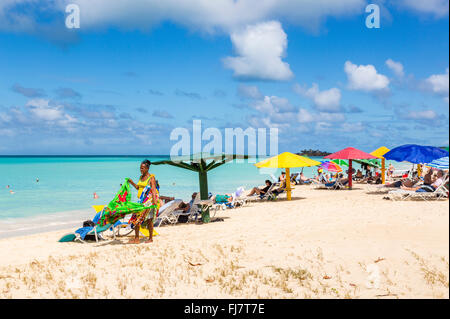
x=42, y=109
x=439, y=84
x=327, y=100
x=305, y=116
x=365, y=77
x=249, y=92
x=272, y=105
x=421, y=115
x=396, y=67
x=204, y=15
x=438, y=8
x=352, y=127
x=260, y=49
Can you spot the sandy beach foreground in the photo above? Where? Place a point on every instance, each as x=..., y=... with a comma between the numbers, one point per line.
x=323, y=244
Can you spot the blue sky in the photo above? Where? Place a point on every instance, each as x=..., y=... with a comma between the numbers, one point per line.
x=131, y=74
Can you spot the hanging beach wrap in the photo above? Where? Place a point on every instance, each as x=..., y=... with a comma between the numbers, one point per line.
x=146, y=200
x=121, y=206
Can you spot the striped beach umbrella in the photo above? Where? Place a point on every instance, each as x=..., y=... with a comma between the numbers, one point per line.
x=331, y=167
x=441, y=163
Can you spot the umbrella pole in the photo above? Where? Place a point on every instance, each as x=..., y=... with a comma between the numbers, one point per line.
x=203, y=181
x=350, y=180
x=288, y=183
x=383, y=171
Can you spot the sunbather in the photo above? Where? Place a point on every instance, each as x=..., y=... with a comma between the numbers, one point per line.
x=280, y=189
x=302, y=179
x=342, y=180
x=407, y=182
x=428, y=188
x=260, y=191
x=282, y=177
x=359, y=174
x=321, y=176
x=185, y=207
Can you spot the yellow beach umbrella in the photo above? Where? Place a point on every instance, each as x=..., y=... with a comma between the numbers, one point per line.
x=287, y=160
x=379, y=152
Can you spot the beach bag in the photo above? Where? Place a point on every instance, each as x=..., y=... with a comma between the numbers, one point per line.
x=222, y=199
x=183, y=218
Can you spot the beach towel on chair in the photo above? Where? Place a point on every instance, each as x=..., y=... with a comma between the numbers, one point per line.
x=121, y=206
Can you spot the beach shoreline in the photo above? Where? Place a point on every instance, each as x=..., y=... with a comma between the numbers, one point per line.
x=322, y=244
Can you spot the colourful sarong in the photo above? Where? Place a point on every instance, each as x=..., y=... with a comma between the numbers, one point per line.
x=146, y=198
x=121, y=206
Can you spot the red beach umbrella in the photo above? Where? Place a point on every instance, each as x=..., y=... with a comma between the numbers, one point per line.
x=350, y=154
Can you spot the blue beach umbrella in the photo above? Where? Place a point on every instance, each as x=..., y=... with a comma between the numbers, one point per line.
x=416, y=154
x=441, y=163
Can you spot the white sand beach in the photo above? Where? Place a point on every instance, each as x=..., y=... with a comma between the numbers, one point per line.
x=322, y=244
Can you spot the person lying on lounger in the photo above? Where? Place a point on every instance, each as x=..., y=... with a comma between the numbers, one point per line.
x=407, y=182
x=261, y=191
x=428, y=188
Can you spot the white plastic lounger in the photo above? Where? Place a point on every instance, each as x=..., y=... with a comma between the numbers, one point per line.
x=401, y=194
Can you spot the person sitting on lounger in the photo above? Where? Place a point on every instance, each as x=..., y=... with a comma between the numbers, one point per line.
x=428, y=188
x=261, y=191
x=359, y=174
x=185, y=207
x=428, y=177
x=282, y=177
x=280, y=189
x=321, y=177
x=294, y=177
x=341, y=179
x=302, y=179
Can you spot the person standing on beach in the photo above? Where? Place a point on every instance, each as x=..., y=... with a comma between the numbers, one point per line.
x=147, y=216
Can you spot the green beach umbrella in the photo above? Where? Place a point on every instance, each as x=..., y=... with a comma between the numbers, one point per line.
x=341, y=162
x=370, y=162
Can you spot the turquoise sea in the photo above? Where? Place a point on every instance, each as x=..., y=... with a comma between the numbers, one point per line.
x=63, y=195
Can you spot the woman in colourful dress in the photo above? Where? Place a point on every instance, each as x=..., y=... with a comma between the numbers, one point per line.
x=147, y=192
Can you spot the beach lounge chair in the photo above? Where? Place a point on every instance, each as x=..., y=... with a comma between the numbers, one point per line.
x=338, y=184
x=268, y=195
x=439, y=193
x=192, y=214
x=166, y=213
x=81, y=233
x=315, y=184
x=238, y=198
